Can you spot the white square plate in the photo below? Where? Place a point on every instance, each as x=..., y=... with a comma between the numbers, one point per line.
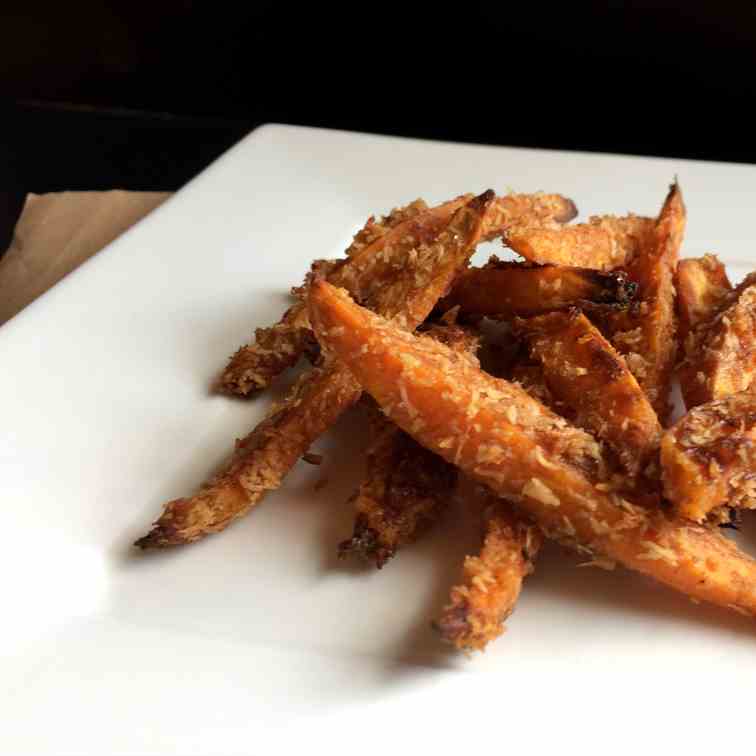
x=257, y=640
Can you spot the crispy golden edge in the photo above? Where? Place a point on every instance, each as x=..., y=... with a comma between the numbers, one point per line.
x=646, y=334
x=320, y=397
x=720, y=354
x=604, y=243
x=582, y=369
x=504, y=439
x=406, y=488
x=370, y=268
x=708, y=457
x=492, y=580
x=702, y=288
x=504, y=290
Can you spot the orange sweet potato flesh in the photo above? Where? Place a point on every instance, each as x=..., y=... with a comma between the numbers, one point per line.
x=492, y=580
x=604, y=243
x=720, y=354
x=264, y=457
x=702, y=288
x=583, y=370
x=646, y=333
x=508, y=441
x=708, y=457
x=503, y=290
x=375, y=255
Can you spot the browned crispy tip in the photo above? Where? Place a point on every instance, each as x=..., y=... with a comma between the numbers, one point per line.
x=405, y=491
x=583, y=370
x=720, y=354
x=604, y=243
x=492, y=581
x=708, y=457
x=261, y=460
x=253, y=367
x=501, y=437
x=504, y=290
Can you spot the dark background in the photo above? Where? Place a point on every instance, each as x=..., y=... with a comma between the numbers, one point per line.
x=143, y=97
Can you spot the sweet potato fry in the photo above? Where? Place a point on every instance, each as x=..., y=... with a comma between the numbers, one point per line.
x=405, y=490
x=492, y=580
x=375, y=257
x=504, y=290
x=582, y=369
x=709, y=457
x=604, y=243
x=406, y=487
x=505, y=439
x=261, y=460
x=646, y=334
x=720, y=355
x=702, y=288
x=268, y=453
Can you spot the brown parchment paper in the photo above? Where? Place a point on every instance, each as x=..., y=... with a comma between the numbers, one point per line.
x=58, y=232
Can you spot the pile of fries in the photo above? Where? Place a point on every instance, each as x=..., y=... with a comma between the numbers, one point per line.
x=544, y=382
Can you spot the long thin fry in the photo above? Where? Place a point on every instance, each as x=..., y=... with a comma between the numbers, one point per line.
x=505, y=439
x=504, y=290
x=375, y=257
x=261, y=460
x=492, y=580
x=582, y=369
x=604, y=243
x=269, y=452
x=709, y=456
x=646, y=335
x=406, y=487
x=720, y=357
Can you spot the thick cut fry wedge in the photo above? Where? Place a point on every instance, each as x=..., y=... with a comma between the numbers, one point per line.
x=492, y=580
x=375, y=258
x=709, y=457
x=406, y=487
x=504, y=290
x=702, y=288
x=269, y=452
x=646, y=334
x=582, y=369
x=720, y=355
x=505, y=439
x=405, y=490
x=603, y=243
